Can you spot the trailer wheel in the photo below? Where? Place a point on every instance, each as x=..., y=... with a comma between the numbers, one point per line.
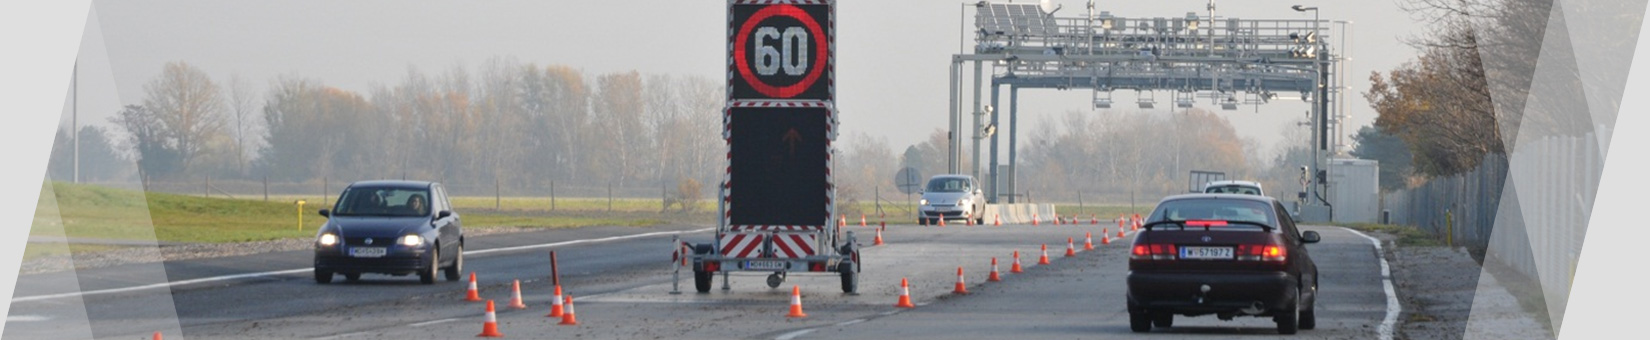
x=850, y=281
x=701, y=280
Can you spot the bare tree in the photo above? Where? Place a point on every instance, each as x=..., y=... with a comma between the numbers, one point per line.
x=189, y=107
x=242, y=104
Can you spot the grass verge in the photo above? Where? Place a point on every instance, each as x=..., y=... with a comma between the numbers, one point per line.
x=1407, y=235
x=89, y=211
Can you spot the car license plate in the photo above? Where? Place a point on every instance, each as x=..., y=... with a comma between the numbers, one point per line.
x=1206, y=253
x=765, y=265
x=367, y=252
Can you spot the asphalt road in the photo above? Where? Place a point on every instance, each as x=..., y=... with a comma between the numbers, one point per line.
x=621, y=289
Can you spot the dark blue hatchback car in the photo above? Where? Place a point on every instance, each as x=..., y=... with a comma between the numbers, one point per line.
x=390, y=227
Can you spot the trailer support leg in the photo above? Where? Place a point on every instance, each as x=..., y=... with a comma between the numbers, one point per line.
x=725, y=285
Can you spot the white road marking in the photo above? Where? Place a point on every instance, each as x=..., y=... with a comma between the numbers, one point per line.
x=427, y=323
x=27, y=318
x=302, y=270
x=793, y=335
x=1392, y=306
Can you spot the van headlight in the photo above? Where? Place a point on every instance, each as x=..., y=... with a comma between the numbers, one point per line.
x=412, y=240
x=328, y=240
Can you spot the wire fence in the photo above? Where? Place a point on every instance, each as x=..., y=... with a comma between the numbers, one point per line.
x=1527, y=211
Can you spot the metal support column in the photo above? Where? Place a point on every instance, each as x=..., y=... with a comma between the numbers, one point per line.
x=991, y=182
x=951, y=130
x=979, y=116
x=1013, y=139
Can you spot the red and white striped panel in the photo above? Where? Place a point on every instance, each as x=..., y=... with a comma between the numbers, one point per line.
x=748, y=228
x=794, y=245
x=780, y=103
x=742, y=245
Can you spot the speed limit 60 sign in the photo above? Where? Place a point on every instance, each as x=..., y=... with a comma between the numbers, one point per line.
x=781, y=50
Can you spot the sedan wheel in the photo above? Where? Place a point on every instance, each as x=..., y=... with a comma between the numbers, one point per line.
x=1140, y=321
x=427, y=276
x=1288, y=320
x=352, y=277
x=458, y=265
x=323, y=276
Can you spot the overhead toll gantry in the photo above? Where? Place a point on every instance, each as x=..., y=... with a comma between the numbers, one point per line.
x=1227, y=61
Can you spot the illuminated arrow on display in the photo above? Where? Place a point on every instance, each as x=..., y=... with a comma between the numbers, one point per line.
x=791, y=137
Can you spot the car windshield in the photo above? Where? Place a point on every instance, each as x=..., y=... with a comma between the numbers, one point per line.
x=380, y=201
x=950, y=184
x=1233, y=189
x=1215, y=210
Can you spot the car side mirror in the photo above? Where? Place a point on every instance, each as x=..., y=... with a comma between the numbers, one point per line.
x=1310, y=237
x=443, y=214
x=325, y=213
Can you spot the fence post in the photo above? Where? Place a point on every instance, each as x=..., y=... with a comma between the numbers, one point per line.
x=266, y=188
x=552, y=195
x=609, y=196
x=324, y=192
x=206, y=190
x=498, y=198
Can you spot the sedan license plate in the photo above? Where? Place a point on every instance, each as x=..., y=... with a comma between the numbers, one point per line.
x=368, y=252
x=1206, y=253
x=765, y=265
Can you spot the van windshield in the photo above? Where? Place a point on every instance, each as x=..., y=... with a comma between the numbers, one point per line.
x=951, y=184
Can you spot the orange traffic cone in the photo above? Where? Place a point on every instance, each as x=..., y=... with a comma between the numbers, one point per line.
x=843, y=222
x=877, y=241
x=489, y=324
x=515, y=296
x=1033, y=219
x=555, y=304
x=997, y=220
x=1044, y=260
x=1088, y=241
x=1070, y=250
x=962, y=288
x=1056, y=218
x=942, y=220
x=968, y=220
x=904, y=295
x=1094, y=219
x=472, y=295
x=796, y=303
x=862, y=220
x=567, y=317
x=1016, y=267
x=994, y=276
x=157, y=336
x=1120, y=233
x=1105, y=236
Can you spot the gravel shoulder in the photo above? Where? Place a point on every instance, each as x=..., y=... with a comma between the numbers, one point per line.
x=1446, y=295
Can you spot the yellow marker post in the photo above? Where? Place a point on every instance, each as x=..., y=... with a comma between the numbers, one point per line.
x=300, y=204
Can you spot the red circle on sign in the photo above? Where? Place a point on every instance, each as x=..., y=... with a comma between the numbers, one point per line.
x=820, y=41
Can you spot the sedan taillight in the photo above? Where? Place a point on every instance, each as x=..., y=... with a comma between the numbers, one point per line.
x=1158, y=251
x=1261, y=252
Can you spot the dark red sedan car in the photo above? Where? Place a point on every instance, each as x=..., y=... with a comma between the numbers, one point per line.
x=1223, y=254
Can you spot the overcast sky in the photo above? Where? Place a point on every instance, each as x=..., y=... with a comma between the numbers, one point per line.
x=892, y=55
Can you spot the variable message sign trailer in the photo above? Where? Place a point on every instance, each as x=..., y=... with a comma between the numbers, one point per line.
x=778, y=198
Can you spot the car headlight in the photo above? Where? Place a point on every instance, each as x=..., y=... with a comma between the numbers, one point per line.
x=922, y=202
x=328, y=239
x=412, y=240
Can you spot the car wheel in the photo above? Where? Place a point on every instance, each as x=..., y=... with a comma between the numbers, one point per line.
x=701, y=280
x=850, y=280
x=1288, y=319
x=922, y=221
x=323, y=276
x=1163, y=320
x=1140, y=321
x=352, y=277
x=458, y=264
x=427, y=275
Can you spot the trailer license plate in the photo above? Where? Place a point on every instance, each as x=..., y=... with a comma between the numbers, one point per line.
x=765, y=265
x=367, y=252
x=1206, y=253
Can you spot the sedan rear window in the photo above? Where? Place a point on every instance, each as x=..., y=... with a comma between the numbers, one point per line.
x=371, y=201
x=1215, y=210
x=1233, y=189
